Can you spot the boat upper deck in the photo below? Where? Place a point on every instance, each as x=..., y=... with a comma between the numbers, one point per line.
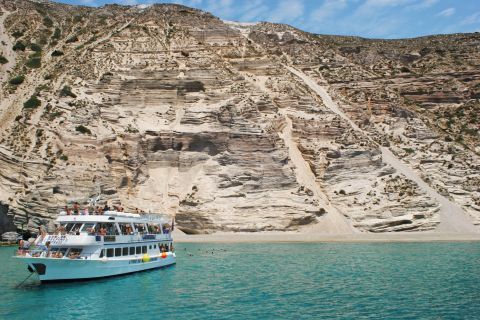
x=112, y=216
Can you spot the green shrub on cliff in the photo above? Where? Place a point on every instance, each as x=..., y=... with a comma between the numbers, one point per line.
x=32, y=103
x=72, y=39
x=17, y=80
x=19, y=46
x=57, y=53
x=47, y=22
x=57, y=33
x=17, y=34
x=35, y=47
x=67, y=92
x=83, y=129
x=3, y=60
x=34, y=62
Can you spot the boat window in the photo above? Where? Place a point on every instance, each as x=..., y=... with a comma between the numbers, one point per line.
x=110, y=252
x=139, y=250
x=125, y=251
x=73, y=227
x=140, y=227
x=153, y=228
x=118, y=252
x=154, y=246
x=144, y=249
x=132, y=250
x=102, y=253
x=110, y=228
x=88, y=227
x=150, y=247
x=126, y=228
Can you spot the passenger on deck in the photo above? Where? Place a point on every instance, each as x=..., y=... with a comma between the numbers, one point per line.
x=40, y=236
x=102, y=231
x=23, y=246
x=75, y=231
x=76, y=208
x=74, y=255
x=106, y=208
x=46, y=249
x=86, y=212
x=68, y=211
x=60, y=230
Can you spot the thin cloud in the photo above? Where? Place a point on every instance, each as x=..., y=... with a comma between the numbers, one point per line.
x=472, y=19
x=447, y=12
x=423, y=5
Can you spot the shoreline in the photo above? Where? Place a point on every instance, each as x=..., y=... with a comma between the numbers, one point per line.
x=282, y=237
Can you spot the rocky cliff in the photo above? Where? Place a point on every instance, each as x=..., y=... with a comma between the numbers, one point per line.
x=235, y=127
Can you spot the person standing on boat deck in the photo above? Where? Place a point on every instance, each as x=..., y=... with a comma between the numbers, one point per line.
x=76, y=208
x=67, y=211
x=46, y=250
x=40, y=236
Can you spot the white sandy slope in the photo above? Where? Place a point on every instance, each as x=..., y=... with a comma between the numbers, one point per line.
x=453, y=219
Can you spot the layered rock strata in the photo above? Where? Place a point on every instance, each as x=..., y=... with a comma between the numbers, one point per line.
x=169, y=109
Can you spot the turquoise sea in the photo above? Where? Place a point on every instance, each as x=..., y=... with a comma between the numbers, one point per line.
x=267, y=281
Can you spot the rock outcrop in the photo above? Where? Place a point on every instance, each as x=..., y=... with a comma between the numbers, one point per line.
x=169, y=109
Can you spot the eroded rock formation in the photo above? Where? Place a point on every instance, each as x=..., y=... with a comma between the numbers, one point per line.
x=169, y=109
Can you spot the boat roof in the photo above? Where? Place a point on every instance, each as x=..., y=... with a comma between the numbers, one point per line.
x=114, y=216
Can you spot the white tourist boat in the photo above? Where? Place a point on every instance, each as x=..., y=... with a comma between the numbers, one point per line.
x=95, y=246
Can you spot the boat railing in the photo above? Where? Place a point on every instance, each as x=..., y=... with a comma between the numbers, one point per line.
x=52, y=254
x=153, y=217
x=57, y=254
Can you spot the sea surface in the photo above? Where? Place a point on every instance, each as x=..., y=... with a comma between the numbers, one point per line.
x=267, y=281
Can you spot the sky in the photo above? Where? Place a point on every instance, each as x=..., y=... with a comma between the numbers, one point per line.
x=366, y=18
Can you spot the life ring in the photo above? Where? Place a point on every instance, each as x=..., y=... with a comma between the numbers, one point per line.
x=164, y=255
x=146, y=258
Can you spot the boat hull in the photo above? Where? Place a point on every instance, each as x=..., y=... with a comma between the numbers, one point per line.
x=50, y=270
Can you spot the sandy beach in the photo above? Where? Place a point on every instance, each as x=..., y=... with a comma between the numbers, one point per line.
x=243, y=237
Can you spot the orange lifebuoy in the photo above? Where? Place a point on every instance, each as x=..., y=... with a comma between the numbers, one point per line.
x=164, y=255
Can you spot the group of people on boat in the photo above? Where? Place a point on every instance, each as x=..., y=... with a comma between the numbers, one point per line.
x=95, y=210
x=34, y=247
x=105, y=229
